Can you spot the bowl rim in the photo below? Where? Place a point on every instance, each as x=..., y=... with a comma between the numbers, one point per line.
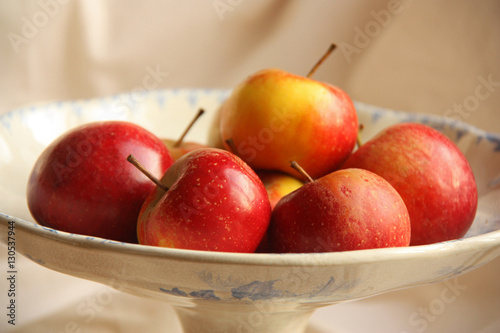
x=447, y=248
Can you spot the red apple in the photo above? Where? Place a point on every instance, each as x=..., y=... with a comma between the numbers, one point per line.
x=179, y=147
x=82, y=183
x=430, y=173
x=274, y=117
x=350, y=209
x=214, y=202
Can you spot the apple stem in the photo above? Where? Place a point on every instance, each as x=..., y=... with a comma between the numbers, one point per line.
x=320, y=61
x=358, y=137
x=198, y=115
x=138, y=165
x=303, y=172
x=232, y=146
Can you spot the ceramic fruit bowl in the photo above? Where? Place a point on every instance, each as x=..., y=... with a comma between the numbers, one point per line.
x=231, y=292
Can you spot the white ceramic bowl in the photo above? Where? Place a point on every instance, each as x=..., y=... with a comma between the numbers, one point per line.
x=231, y=292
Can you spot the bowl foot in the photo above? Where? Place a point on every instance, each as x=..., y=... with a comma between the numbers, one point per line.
x=260, y=317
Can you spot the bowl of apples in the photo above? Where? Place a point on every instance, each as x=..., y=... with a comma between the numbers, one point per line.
x=280, y=205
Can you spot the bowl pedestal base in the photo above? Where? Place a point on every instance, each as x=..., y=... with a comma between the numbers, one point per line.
x=261, y=317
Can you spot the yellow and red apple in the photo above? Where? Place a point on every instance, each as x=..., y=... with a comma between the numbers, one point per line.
x=274, y=117
x=278, y=184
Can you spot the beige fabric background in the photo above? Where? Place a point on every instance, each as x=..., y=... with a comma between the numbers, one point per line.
x=440, y=57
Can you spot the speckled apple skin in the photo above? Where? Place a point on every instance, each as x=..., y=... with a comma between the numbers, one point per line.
x=215, y=202
x=275, y=117
x=346, y=210
x=82, y=182
x=430, y=173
